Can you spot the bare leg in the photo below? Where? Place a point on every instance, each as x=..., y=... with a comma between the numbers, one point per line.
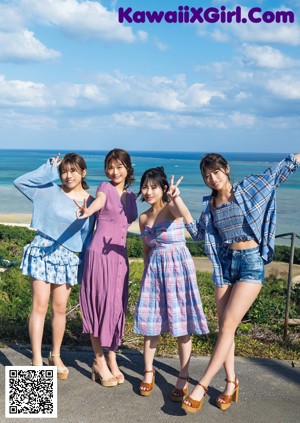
x=150, y=344
x=222, y=296
x=60, y=295
x=40, y=299
x=184, y=352
x=100, y=361
x=241, y=298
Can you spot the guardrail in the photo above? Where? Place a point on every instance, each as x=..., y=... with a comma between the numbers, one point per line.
x=293, y=237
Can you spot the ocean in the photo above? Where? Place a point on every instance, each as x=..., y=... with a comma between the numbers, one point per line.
x=17, y=162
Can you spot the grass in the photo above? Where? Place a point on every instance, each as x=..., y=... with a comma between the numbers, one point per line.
x=259, y=335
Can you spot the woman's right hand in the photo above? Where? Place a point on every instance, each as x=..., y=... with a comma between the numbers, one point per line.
x=83, y=211
x=55, y=160
x=174, y=191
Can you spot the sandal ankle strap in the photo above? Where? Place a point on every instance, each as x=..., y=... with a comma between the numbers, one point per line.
x=187, y=378
x=149, y=371
x=231, y=381
x=204, y=387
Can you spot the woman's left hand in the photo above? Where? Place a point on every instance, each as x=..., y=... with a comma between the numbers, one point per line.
x=55, y=160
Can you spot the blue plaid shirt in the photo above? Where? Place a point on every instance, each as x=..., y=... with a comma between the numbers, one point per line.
x=256, y=196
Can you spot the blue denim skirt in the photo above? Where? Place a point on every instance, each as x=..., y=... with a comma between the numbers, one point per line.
x=241, y=265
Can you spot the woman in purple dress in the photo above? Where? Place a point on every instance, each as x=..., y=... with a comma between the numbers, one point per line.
x=104, y=288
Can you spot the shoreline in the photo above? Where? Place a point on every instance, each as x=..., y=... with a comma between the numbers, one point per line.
x=24, y=219
x=15, y=219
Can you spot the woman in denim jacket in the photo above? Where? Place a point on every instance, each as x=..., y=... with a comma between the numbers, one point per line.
x=237, y=225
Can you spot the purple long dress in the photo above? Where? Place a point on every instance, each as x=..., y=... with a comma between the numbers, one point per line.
x=104, y=287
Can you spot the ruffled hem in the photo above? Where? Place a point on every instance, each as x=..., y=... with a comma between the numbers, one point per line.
x=238, y=239
x=50, y=262
x=57, y=256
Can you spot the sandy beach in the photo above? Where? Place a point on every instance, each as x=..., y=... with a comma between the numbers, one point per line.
x=24, y=219
x=15, y=219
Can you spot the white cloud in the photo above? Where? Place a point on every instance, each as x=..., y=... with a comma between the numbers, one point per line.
x=23, y=93
x=142, y=119
x=285, y=86
x=161, y=46
x=242, y=119
x=268, y=57
x=167, y=121
x=23, y=46
x=269, y=33
x=198, y=95
x=10, y=18
x=81, y=19
x=113, y=91
x=282, y=33
x=10, y=119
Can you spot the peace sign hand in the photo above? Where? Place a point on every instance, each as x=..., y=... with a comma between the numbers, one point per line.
x=174, y=191
x=55, y=160
x=82, y=212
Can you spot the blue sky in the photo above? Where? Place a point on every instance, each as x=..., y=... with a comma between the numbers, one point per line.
x=72, y=77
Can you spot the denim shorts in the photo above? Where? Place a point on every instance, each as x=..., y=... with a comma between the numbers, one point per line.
x=241, y=266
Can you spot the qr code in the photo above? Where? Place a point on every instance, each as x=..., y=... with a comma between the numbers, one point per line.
x=30, y=391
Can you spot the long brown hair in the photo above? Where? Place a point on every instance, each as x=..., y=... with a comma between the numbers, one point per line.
x=76, y=162
x=122, y=156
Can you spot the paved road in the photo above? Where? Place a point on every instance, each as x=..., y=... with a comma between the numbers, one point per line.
x=269, y=391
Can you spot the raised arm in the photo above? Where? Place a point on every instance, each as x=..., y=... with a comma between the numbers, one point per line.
x=31, y=182
x=195, y=229
x=181, y=209
x=83, y=211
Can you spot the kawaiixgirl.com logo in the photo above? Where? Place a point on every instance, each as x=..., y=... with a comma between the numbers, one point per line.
x=187, y=14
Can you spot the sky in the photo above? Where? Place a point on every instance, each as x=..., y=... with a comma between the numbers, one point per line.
x=73, y=77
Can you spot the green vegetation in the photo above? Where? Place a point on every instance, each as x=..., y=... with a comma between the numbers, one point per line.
x=13, y=239
x=259, y=335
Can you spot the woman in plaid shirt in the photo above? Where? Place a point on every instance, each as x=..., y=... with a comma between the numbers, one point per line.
x=237, y=225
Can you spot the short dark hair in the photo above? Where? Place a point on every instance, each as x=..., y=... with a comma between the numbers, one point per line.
x=122, y=156
x=157, y=175
x=74, y=161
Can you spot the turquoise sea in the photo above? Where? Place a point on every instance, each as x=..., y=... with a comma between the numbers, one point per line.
x=17, y=162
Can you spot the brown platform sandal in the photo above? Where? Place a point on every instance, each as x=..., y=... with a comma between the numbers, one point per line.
x=194, y=405
x=147, y=388
x=224, y=401
x=178, y=395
